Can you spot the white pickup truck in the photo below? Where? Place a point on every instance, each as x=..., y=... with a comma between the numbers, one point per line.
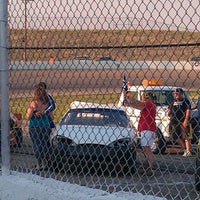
x=164, y=96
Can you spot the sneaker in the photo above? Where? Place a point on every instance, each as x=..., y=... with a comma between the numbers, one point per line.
x=187, y=153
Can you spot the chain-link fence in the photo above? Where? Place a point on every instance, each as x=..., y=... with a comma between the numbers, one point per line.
x=72, y=64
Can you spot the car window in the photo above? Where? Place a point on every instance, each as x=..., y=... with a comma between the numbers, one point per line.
x=165, y=97
x=96, y=117
x=162, y=97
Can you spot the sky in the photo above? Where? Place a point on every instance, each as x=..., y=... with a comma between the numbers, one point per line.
x=20, y=186
x=101, y=14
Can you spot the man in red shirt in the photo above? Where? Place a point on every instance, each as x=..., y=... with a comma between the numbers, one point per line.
x=146, y=125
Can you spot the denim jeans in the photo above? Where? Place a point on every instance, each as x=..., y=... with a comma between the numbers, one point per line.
x=40, y=137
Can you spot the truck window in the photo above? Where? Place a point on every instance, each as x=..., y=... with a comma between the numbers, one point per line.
x=162, y=97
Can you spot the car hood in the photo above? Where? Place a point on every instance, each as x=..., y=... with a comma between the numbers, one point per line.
x=94, y=134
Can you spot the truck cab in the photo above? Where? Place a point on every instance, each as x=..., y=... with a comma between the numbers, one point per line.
x=163, y=98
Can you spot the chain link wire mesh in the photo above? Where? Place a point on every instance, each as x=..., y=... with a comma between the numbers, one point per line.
x=82, y=50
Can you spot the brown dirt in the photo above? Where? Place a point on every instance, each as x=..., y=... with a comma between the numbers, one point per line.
x=97, y=81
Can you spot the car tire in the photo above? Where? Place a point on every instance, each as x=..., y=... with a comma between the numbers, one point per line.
x=160, y=144
x=197, y=175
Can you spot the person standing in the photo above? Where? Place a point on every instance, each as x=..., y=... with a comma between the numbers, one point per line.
x=39, y=127
x=51, y=107
x=146, y=124
x=179, y=113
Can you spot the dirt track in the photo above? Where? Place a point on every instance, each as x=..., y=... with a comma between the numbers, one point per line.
x=80, y=81
x=67, y=81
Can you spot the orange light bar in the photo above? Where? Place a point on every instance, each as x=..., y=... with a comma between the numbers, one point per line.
x=152, y=82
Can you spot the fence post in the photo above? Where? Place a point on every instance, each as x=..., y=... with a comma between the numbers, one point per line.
x=5, y=147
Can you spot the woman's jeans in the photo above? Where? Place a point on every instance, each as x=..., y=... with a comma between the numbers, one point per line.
x=40, y=137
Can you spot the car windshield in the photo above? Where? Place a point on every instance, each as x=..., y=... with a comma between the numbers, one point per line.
x=96, y=117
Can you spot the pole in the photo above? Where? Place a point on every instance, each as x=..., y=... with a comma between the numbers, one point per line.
x=5, y=146
x=25, y=30
x=123, y=93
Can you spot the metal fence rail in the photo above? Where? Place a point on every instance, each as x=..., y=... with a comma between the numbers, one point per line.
x=83, y=51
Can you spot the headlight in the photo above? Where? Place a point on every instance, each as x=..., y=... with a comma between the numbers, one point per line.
x=61, y=140
x=122, y=142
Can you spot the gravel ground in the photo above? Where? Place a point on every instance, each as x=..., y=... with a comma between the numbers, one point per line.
x=173, y=178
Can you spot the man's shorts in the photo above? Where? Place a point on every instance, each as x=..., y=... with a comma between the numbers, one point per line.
x=176, y=129
x=147, y=138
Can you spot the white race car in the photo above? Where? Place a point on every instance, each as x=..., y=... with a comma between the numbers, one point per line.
x=98, y=134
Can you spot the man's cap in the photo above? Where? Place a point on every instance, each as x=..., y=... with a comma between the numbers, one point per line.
x=178, y=90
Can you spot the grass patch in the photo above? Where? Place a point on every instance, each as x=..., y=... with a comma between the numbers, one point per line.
x=20, y=104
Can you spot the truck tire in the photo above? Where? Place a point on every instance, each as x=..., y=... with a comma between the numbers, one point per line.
x=160, y=144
